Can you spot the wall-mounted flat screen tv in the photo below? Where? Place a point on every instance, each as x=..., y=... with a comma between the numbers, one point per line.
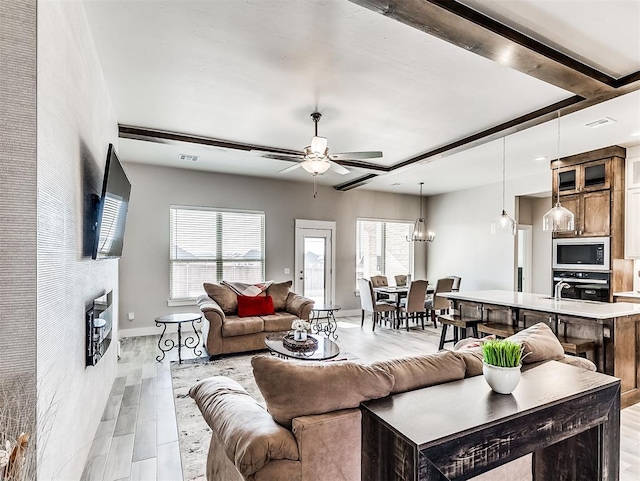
x=111, y=209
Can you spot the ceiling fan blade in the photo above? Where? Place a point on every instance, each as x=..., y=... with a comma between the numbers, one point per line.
x=338, y=169
x=288, y=158
x=289, y=169
x=356, y=155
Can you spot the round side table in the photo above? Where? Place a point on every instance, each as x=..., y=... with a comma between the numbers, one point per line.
x=324, y=312
x=190, y=342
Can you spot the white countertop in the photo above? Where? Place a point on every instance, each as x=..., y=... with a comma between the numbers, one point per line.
x=541, y=302
x=634, y=294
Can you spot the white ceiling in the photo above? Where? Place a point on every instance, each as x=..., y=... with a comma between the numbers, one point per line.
x=253, y=71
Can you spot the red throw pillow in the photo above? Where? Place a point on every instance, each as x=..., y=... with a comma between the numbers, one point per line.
x=255, y=306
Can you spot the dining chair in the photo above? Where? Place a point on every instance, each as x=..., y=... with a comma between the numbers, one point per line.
x=401, y=280
x=380, y=281
x=456, y=283
x=437, y=303
x=369, y=304
x=414, y=306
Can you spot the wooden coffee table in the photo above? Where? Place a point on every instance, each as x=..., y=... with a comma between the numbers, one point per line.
x=327, y=349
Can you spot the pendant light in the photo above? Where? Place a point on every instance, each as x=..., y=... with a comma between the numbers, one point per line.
x=420, y=233
x=558, y=219
x=503, y=224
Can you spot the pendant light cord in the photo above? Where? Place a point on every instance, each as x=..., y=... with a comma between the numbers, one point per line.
x=558, y=157
x=504, y=169
x=421, y=183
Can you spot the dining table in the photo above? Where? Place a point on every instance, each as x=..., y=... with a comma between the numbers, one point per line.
x=398, y=292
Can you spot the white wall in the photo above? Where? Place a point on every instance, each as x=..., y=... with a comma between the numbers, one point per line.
x=542, y=248
x=464, y=245
x=145, y=261
x=75, y=125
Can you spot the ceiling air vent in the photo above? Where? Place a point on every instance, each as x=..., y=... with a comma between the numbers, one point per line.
x=188, y=157
x=600, y=122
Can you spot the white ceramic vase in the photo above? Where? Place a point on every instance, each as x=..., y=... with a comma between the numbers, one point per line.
x=502, y=380
x=299, y=335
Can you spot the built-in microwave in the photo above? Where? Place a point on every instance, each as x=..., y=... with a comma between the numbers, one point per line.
x=583, y=253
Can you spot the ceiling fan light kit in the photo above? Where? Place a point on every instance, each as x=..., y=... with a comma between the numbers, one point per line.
x=503, y=224
x=315, y=166
x=420, y=232
x=558, y=219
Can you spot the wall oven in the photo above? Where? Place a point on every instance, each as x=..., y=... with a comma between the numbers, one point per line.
x=583, y=253
x=585, y=285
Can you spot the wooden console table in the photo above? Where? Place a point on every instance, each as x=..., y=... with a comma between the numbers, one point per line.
x=567, y=417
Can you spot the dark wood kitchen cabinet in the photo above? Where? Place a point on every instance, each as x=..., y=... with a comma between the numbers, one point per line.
x=591, y=186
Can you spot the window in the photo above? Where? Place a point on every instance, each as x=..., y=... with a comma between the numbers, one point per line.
x=382, y=248
x=209, y=245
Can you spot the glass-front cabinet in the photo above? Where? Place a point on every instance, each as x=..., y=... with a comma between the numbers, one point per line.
x=585, y=177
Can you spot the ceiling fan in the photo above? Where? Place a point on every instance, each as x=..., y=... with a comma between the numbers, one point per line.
x=316, y=158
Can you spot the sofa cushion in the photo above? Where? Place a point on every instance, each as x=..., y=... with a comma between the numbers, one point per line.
x=250, y=436
x=421, y=371
x=279, y=291
x=239, y=326
x=472, y=358
x=280, y=321
x=297, y=388
x=255, y=306
x=539, y=343
x=225, y=297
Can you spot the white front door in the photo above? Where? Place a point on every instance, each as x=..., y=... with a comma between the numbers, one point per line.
x=314, y=264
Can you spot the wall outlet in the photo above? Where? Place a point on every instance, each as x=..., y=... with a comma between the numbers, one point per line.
x=287, y=271
x=131, y=316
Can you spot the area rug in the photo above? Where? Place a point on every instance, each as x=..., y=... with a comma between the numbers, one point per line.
x=193, y=432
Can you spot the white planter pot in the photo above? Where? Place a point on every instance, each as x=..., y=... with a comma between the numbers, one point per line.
x=502, y=380
x=300, y=335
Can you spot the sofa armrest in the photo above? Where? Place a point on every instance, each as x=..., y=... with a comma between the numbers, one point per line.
x=211, y=324
x=206, y=304
x=299, y=305
x=250, y=436
x=329, y=445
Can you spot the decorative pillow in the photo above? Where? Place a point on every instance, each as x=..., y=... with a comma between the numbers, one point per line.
x=297, y=388
x=250, y=435
x=279, y=291
x=250, y=290
x=540, y=344
x=255, y=306
x=224, y=297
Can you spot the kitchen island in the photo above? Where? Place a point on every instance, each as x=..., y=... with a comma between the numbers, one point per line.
x=610, y=330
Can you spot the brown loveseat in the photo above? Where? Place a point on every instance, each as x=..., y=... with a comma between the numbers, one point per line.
x=224, y=332
x=312, y=429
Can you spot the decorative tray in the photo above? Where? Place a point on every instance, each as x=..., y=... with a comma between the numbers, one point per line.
x=308, y=345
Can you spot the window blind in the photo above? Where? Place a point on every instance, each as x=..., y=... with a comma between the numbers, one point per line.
x=382, y=248
x=210, y=245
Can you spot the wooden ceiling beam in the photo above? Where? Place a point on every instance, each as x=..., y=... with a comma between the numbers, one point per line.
x=166, y=137
x=468, y=29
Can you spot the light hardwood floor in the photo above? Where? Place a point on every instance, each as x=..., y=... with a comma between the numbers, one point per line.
x=138, y=437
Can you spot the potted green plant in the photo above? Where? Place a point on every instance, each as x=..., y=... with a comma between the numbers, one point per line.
x=501, y=363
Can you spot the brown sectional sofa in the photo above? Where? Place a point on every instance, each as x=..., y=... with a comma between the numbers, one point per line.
x=312, y=429
x=224, y=332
